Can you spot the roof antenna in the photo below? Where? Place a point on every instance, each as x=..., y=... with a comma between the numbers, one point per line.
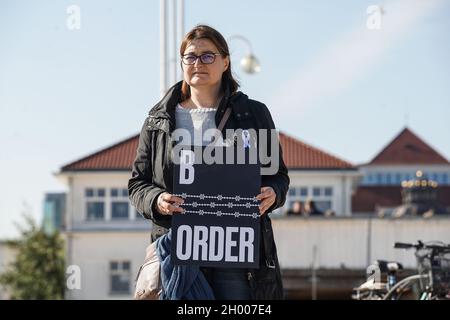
x=406, y=119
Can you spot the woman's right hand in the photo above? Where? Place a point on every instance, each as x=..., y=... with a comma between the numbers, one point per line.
x=168, y=204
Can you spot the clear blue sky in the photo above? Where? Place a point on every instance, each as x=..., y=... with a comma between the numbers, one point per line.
x=326, y=77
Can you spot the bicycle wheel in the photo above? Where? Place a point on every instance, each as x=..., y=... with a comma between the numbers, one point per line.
x=406, y=289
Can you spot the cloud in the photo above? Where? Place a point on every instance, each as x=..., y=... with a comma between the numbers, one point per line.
x=349, y=57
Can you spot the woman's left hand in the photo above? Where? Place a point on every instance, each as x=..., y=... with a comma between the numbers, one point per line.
x=267, y=197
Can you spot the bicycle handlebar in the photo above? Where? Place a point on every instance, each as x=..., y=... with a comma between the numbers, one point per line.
x=402, y=245
x=420, y=245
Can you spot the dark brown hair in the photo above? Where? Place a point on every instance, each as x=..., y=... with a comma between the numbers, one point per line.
x=206, y=32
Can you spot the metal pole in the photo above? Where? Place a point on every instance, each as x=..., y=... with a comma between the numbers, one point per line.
x=162, y=47
x=69, y=219
x=369, y=241
x=314, y=276
x=175, y=40
x=180, y=33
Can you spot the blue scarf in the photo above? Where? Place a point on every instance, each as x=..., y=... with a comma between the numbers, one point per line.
x=181, y=282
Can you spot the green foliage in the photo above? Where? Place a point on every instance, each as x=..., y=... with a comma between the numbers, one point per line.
x=38, y=270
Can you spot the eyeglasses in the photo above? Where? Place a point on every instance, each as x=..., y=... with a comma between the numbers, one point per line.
x=205, y=58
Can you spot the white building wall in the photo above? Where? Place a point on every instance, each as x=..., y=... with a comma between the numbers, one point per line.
x=337, y=241
x=340, y=242
x=342, y=182
x=352, y=242
x=106, y=180
x=92, y=245
x=93, y=251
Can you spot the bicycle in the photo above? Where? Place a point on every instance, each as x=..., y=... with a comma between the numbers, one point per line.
x=374, y=288
x=432, y=282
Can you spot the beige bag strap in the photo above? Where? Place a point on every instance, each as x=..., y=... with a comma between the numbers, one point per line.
x=224, y=119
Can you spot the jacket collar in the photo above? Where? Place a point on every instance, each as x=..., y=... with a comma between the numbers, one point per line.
x=163, y=109
x=163, y=112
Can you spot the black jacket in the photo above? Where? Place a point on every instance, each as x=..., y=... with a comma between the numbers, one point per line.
x=152, y=174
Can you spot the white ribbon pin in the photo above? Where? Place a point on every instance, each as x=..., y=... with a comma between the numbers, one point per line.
x=246, y=138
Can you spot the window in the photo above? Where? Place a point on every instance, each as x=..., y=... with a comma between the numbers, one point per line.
x=119, y=203
x=317, y=192
x=119, y=210
x=115, y=192
x=388, y=178
x=398, y=178
x=369, y=179
x=444, y=178
x=95, y=203
x=95, y=210
x=298, y=191
x=321, y=195
x=304, y=192
x=89, y=192
x=323, y=205
x=435, y=177
x=120, y=276
x=94, y=193
x=379, y=179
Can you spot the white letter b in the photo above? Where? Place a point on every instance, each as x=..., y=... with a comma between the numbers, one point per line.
x=186, y=167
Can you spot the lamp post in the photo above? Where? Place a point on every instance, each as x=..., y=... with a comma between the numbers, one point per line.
x=249, y=63
x=162, y=47
x=168, y=57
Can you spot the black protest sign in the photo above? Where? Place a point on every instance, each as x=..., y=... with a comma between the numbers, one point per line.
x=220, y=226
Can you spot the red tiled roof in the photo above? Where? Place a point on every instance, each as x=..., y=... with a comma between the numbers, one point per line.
x=366, y=198
x=119, y=156
x=408, y=148
x=299, y=155
x=296, y=154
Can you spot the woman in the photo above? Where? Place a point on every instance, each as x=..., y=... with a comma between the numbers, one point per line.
x=200, y=101
x=311, y=209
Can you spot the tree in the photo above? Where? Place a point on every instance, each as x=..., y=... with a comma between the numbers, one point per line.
x=38, y=271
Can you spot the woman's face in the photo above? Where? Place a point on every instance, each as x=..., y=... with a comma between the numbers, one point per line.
x=204, y=75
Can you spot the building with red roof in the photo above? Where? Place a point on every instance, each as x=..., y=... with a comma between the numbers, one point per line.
x=380, y=187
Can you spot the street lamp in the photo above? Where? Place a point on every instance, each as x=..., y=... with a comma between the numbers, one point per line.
x=171, y=18
x=249, y=63
x=174, y=22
